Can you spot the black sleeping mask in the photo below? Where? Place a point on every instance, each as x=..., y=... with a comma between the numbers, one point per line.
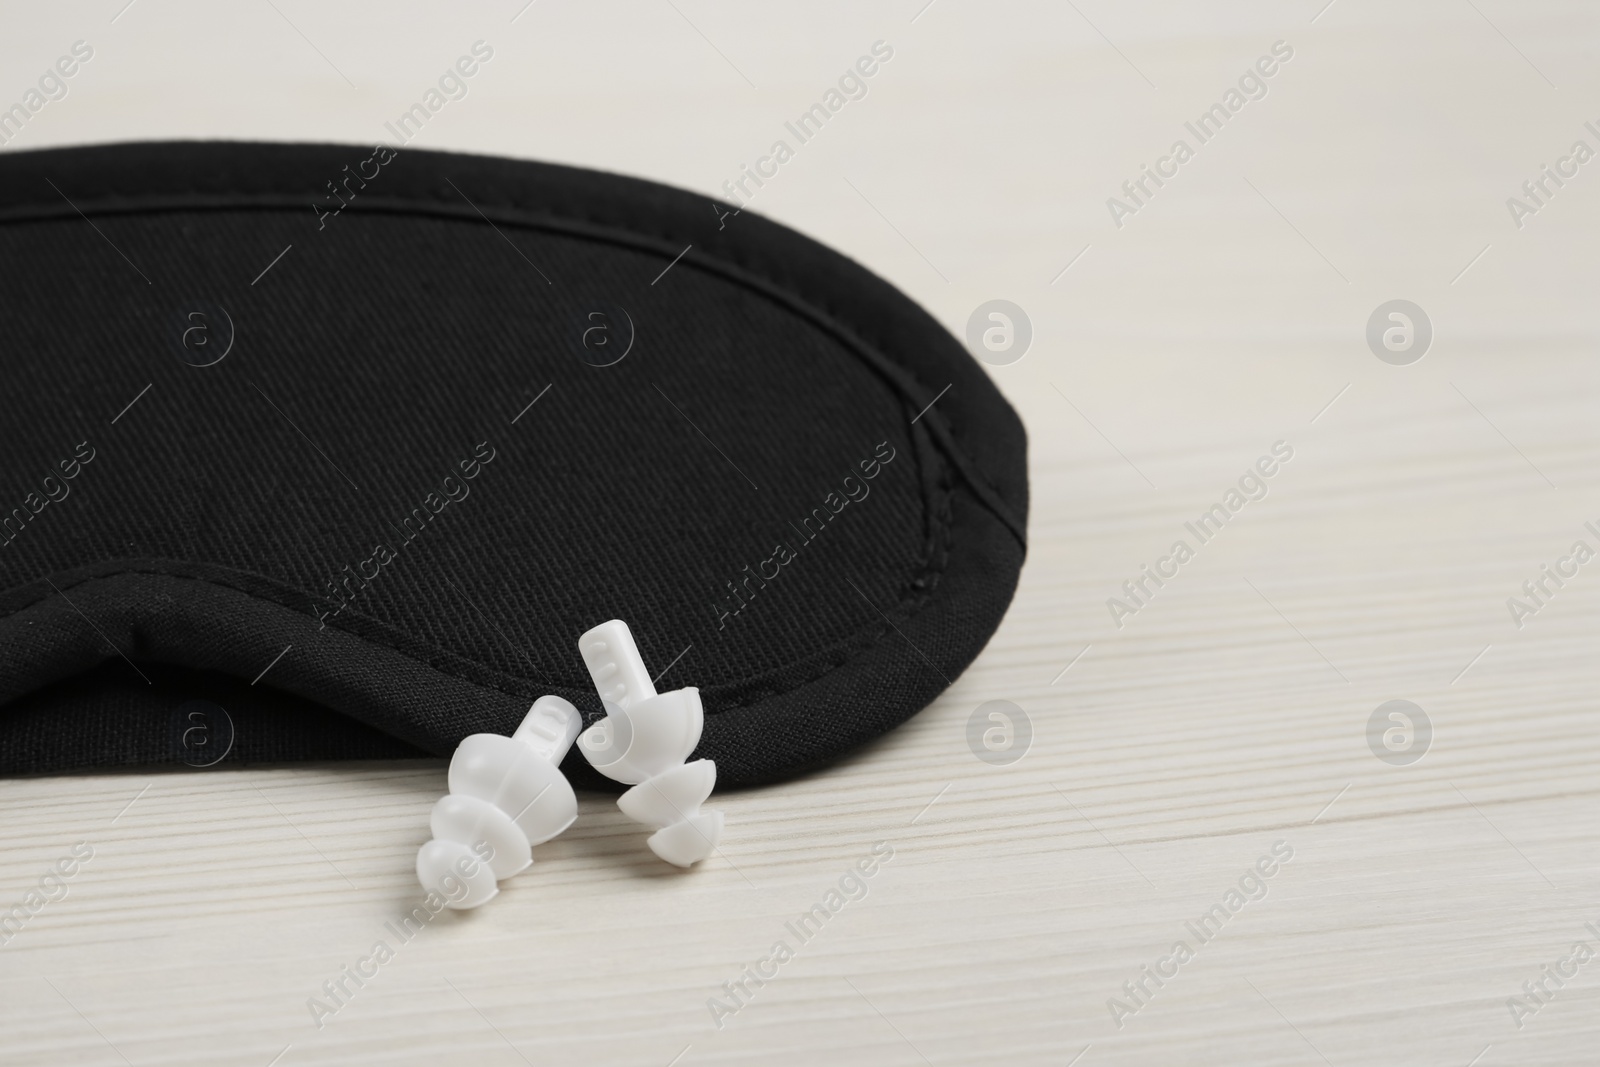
x=321, y=452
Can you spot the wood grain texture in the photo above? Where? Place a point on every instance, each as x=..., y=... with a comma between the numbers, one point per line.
x=1168, y=754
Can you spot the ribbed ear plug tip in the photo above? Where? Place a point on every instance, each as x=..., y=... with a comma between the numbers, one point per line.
x=507, y=794
x=643, y=742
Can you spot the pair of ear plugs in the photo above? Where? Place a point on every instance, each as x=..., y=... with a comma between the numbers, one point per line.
x=507, y=794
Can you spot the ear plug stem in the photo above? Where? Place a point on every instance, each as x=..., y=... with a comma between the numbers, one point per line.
x=643, y=742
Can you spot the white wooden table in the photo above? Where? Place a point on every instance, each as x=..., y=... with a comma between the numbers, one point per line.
x=1168, y=755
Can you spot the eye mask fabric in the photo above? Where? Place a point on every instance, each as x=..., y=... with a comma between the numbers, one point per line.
x=322, y=452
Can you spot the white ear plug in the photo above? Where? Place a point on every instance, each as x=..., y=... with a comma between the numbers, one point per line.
x=507, y=794
x=643, y=742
